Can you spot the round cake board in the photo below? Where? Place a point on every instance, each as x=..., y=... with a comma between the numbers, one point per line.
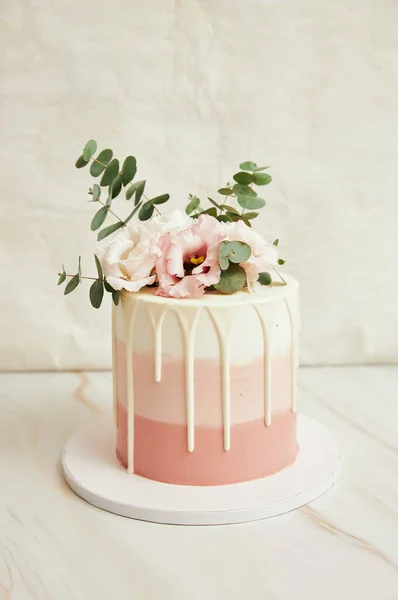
x=93, y=472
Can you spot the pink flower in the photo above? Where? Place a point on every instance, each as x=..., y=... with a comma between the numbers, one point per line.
x=264, y=254
x=189, y=261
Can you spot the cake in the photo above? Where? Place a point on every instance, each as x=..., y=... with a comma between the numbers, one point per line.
x=205, y=389
x=205, y=329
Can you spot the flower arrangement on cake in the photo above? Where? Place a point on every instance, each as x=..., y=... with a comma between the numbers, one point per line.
x=180, y=254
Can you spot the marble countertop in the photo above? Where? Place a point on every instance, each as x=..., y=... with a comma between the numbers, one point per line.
x=54, y=546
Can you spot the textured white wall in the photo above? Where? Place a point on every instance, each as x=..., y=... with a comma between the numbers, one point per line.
x=192, y=87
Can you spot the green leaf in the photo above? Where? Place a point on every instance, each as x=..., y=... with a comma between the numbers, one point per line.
x=160, y=199
x=244, y=178
x=131, y=215
x=104, y=158
x=108, y=286
x=210, y=211
x=243, y=190
x=89, y=149
x=250, y=215
x=108, y=230
x=136, y=188
x=62, y=276
x=231, y=280
x=248, y=166
x=236, y=252
x=72, y=284
x=224, y=218
x=257, y=169
x=276, y=242
x=262, y=178
x=193, y=205
x=225, y=191
x=110, y=173
x=230, y=209
x=146, y=211
x=99, y=268
x=116, y=297
x=223, y=262
x=96, y=192
x=115, y=187
x=281, y=261
x=264, y=278
x=250, y=202
x=129, y=169
x=81, y=162
x=97, y=293
x=214, y=203
x=99, y=218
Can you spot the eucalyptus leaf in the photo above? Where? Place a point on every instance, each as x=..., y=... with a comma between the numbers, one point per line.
x=262, y=178
x=223, y=262
x=243, y=190
x=250, y=202
x=108, y=230
x=129, y=169
x=116, y=297
x=230, y=209
x=160, y=199
x=192, y=205
x=108, y=286
x=98, y=165
x=214, y=203
x=264, y=278
x=146, y=211
x=110, y=173
x=257, y=169
x=72, y=284
x=62, y=276
x=236, y=252
x=89, y=149
x=250, y=215
x=276, y=242
x=137, y=189
x=81, y=162
x=96, y=192
x=96, y=293
x=225, y=191
x=281, y=261
x=99, y=268
x=243, y=177
x=231, y=280
x=115, y=187
x=133, y=212
x=224, y=218
x=210, y=211
x=99, y=218
x=248, y=166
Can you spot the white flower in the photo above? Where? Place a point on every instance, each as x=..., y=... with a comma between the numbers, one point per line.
x=264, y=254
x=128, y=259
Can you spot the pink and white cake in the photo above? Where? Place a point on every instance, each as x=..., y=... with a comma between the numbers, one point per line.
x=205, y=389
x=205, y=329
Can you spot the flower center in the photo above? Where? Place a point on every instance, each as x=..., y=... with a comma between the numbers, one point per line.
x=191, y=263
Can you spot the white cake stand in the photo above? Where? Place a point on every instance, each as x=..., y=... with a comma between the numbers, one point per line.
x=93, y=472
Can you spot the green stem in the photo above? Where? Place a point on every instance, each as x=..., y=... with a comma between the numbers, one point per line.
x=279, y=275
x=112, y=213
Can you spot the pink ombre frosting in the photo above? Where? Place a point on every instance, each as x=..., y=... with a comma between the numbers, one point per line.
x=253, y=449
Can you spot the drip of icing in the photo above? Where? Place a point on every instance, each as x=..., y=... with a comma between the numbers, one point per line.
x=115, y=398
x=188, y=319
x=129, y=309
x=157, y=314
x=293, y=355
x=222, y=320
x=267, y=322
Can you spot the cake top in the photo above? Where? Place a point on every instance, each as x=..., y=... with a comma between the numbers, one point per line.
x=177, y=254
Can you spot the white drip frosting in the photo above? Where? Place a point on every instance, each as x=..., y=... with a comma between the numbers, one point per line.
x=221, y=310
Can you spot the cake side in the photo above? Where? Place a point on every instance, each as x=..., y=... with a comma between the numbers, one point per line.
x=215, y=437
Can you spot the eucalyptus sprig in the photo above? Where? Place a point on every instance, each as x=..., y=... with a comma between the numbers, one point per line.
x=241, y=190
x=115, y=178
x=97, y=288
